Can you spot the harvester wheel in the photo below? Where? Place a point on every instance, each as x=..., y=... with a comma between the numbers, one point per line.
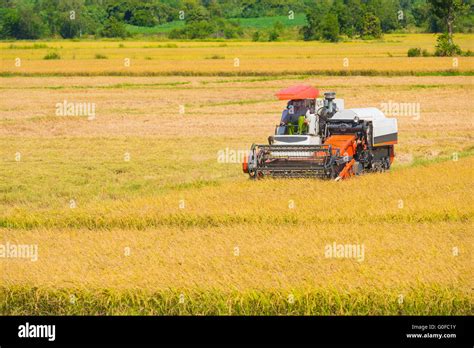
x=253, y=175
x=386, y=162
x=333, y=174
x=378, y=167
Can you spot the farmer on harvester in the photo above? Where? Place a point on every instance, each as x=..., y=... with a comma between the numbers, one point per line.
x=294, y=114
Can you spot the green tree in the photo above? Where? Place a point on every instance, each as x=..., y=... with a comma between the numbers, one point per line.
x=276, y=31
x=92, y=18
x=314, y=18
x=20, y=23
x=69, y=28
x=50, y=16
x=214, y=9
x=114, y=28
x=330, y=28
x=421, y=13
x=256, y=36
x=231, y=29
x=371, y=26
x=446, y=47
x=273, y=35
x=448, y=11
x=386, y=11
x=355, y=13
x=165, y=13
x=197, y=14
x=143, y=18
x=343, y=17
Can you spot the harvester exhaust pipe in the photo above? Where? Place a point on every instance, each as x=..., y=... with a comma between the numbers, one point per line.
x=329, y=102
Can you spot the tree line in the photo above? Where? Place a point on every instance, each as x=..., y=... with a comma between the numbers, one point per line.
x=329, y=19
x=326, y=19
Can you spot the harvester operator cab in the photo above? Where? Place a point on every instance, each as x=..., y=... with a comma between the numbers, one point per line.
x=295, y=118
x=303, y=121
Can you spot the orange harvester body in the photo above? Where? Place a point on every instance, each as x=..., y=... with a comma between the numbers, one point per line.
x=347, y=146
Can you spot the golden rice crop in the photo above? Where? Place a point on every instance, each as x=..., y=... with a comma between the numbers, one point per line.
x=160, y=226
x=191, y=58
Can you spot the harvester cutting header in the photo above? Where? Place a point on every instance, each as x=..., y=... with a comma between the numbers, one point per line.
x=317, y=137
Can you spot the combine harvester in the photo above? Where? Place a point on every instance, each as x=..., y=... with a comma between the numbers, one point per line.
x=319, y=138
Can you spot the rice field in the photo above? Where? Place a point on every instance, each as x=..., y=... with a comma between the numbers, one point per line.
x=143, y=208
x=387, y=56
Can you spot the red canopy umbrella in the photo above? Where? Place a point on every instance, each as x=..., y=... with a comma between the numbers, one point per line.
x=298, y=92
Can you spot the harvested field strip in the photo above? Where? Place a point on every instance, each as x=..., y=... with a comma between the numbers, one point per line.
x=445, y=72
